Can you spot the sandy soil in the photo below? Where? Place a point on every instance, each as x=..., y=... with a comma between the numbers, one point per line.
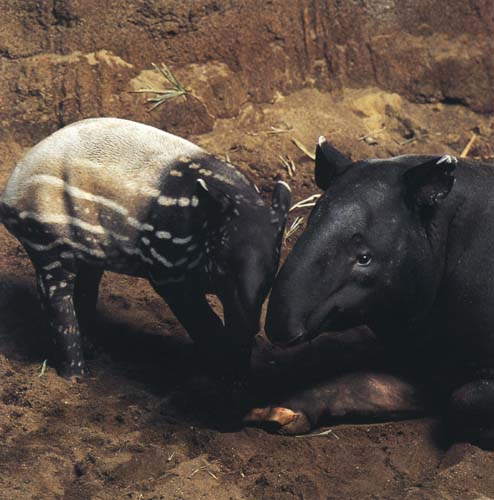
x=107, y=437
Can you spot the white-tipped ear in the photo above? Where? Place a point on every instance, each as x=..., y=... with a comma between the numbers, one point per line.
x=283, y=183
x=329, y=163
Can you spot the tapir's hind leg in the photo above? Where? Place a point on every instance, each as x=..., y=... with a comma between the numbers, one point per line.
x=471, y=413
x=363, y=394
x=56, y=288
x=86, y=287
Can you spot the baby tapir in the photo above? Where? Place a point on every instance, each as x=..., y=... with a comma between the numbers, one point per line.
x=404, y=245
x=111, y=194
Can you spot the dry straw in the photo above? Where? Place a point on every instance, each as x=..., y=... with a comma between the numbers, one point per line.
x=163, y=95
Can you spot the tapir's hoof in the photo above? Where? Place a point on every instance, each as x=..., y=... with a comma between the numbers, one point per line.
x=74, y=373
x=287, y=421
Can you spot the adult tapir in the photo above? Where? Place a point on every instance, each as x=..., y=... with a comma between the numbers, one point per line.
x=111, y=194
x=405, y=246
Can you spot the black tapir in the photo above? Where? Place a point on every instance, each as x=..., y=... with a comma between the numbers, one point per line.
x=405, y=246
x=111, y=194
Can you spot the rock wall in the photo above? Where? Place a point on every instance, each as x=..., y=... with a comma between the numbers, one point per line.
x=63, y=60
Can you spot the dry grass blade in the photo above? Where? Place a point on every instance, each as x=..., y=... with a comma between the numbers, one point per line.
x=294, y=227
x=288, y=164
x=319, y=434
x=306, y=203
x=302, y=148
x=43, y=368
x=468, y=147
x=163, y=95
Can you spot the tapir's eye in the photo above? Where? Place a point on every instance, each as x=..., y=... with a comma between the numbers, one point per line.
x=364, y=259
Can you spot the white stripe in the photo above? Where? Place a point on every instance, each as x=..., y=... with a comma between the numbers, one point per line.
x=79, y=193
x=194, y=263
x=139, y=225
x=138, y=252
x=63, y=241
x=62, y=219
x=160, y=258
x=52, y=265
x=182, y=241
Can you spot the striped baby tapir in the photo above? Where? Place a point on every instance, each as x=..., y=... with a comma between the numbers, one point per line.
x=111, y=194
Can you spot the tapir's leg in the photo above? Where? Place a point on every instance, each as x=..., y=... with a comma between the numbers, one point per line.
x=471, y=413
x=85, y=299
x=363, y=394
x=192, y=310
x=56, y=288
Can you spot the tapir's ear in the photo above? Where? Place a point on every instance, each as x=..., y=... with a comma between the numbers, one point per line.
x=212, y=199
x=428, y=183
x=280, y=204
x=329, y=163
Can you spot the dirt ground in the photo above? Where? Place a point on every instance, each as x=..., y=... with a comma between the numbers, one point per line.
x=379, y=79
x=107, y=438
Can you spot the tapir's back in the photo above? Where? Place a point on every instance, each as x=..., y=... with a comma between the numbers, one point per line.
x=117, y=160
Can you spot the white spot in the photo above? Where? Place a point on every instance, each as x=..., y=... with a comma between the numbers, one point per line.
x=203, y=184
x=181, y=261
x=51, y=290
x=194, y=201
x=67, y=255
x=192, y=247
x=184, y=159
x=160, y=258
x=146, y=241
x=176, y=173
x=163, y=235
x=257, y=189
x=183, y=202
x=182, y=241
x=63, y=284
x=167, y=201
x=194, y=166
x=205, y=172
x=149, y=191
x=48, y=277
x=79, y=364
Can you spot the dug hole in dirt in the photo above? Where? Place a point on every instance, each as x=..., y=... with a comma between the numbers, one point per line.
x=378, y=78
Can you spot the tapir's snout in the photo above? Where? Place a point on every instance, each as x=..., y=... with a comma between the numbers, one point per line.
x=282, y=327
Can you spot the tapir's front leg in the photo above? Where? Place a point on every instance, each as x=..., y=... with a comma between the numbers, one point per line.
x=191, y=308
x=367, y=395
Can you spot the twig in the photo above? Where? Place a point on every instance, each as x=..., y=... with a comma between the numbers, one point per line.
x=278, y=130
x=306, y=203
x=289, y=165
x=302, y=148
x=468, y=147
x=377, y=132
